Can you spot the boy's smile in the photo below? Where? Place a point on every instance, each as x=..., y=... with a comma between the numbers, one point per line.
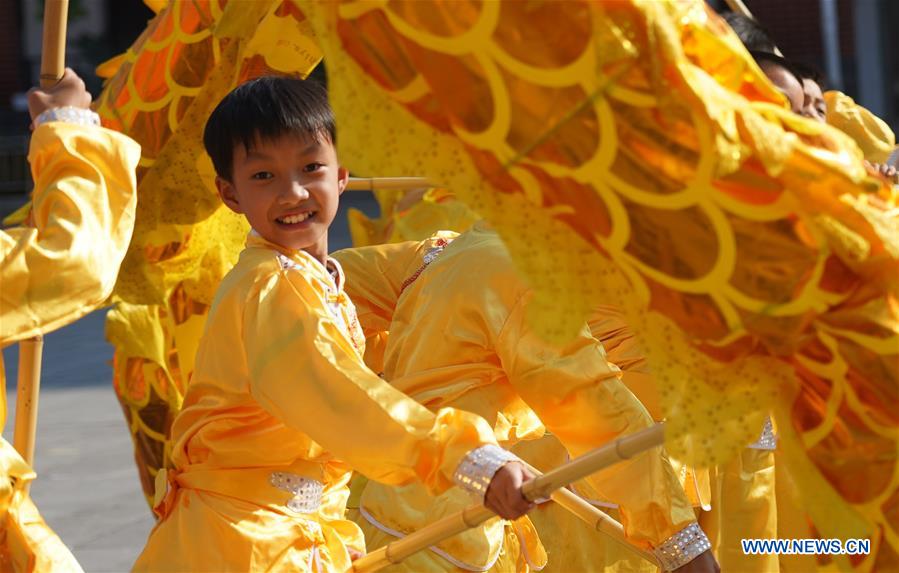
x=288, y=189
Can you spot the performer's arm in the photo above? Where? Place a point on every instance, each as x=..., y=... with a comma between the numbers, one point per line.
x=580, y=398
x=65, y=264
x=305, y=372
x=375, y=277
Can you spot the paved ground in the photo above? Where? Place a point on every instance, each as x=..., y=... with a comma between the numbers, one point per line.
x=87, y=487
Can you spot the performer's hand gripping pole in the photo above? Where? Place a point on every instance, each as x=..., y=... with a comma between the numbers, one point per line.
x=53, y=57
x=538, y=488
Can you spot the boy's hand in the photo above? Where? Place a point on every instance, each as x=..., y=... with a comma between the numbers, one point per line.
x=70, y=91
x=504, y=495
x=705, y=563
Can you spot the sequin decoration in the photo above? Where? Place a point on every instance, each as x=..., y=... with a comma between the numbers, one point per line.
x=682, y=547
x=307, y=492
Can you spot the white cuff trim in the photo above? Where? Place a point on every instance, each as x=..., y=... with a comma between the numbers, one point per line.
x=477, y=468
x=682, y=547
x=68, y=114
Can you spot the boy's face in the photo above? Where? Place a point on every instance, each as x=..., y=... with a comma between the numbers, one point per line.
x=786, y=82
x=813, y=103
x=288, y=190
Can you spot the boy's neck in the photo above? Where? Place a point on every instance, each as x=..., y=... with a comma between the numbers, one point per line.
x=319, y=251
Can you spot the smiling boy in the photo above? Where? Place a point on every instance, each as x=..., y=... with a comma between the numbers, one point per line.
x=281, y=407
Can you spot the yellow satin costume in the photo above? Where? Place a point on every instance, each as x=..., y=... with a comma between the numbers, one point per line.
x=57, y=270
x=459, y=336
x=280, y=396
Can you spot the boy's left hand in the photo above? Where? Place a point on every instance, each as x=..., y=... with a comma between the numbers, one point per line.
x=504, y=496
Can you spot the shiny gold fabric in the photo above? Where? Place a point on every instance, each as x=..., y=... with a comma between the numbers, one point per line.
x=280, y=386
x=873, y=136
x=160, y=92
x=459, y=337
x=632, y=153
x=60, y=268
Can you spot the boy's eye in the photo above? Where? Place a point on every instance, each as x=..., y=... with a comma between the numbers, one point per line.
x=313, y=167
x=262, y=175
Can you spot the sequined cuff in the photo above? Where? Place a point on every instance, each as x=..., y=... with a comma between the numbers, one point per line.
x=478, y=467
x=68, y=114
x=682, y=547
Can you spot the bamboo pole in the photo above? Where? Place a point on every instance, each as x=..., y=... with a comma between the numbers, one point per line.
x=29, y=385
x=595, y=518
x=53, y=58
x=384, y=183
x=53, y=50
x=540, y=487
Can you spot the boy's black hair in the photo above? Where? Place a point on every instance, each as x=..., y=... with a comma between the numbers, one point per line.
x=761, y=58
x=266, y=109
x=753, y=35
x=808, y=72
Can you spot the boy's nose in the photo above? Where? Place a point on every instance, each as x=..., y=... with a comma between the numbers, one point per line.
x=294, y=192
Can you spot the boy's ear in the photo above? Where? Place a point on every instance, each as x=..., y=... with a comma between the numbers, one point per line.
x=228, y=194
x=343, y=177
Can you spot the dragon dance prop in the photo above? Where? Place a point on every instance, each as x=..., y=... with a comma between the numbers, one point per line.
x=631, y=154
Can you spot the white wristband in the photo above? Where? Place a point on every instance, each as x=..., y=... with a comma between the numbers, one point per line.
x=682, y=547
x=477, y=468
x=68, y=114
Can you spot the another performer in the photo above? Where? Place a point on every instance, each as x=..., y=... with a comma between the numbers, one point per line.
x=456, y=312
x=59, y=268
x=281, y=407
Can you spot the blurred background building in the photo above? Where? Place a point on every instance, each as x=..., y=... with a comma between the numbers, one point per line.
x=854, y=42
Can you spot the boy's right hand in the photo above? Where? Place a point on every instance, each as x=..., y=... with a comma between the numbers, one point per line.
x=69, y=92
x=504, y=496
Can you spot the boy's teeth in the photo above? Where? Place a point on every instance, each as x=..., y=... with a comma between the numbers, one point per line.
x=295, y=218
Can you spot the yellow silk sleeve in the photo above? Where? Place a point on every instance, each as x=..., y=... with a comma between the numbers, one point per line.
x=305, y=371
x=580, y=398
x=376, y=275
x=66, y=264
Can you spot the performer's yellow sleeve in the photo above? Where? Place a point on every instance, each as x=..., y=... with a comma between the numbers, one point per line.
x=83, y=214
x=290, y=336
x=379, y=272
x=580, y=399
